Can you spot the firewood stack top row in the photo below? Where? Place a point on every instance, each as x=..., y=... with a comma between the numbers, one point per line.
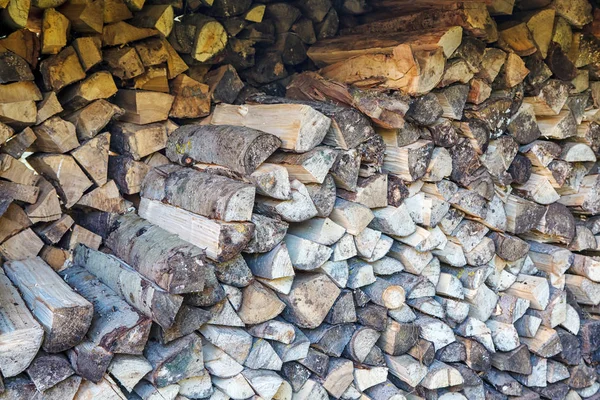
x=303, y=200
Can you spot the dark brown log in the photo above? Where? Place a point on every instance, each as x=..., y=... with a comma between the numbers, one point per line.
x=14, y=68
x=90, y=361
x=48, y=370
x=224, y=83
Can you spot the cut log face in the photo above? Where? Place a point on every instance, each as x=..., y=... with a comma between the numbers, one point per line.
x=65, y=315
x=175, y=361
x=309, y=300
x=21, y=334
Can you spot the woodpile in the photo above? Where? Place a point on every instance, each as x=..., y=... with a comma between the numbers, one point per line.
x=299, y=200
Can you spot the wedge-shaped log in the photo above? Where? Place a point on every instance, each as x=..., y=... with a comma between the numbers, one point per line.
x=65, y=315
x=121, y=33
x=209, y=195
x=300, y=207
x=259, y=304
x=23, y=245
x=238, y=148
x=92, y=118
x=128, y=370
x=117, y=327
x=310, y=299
x=93, y=157
x=309, y=167
x=235, y=342
x=546, y=342
x=21, y=335
x=348, y=128
x=64, y=174
x=13, y=221
x=143, y=106
x=304, y=254
x=532, y=288
x=138, y=140
x=409, y=162
x=175, y=361
x=137, y=291
x=99, y=85
x=188, y=320
x=89, y=360
x=299, y=127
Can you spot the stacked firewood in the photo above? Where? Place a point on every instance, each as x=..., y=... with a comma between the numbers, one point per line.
x=189, y=209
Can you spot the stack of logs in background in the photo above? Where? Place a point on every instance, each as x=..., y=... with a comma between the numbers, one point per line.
x=214, y=199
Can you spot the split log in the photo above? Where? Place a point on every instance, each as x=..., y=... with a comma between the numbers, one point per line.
x=99, y=85
x=193, y=144
x=14, y=220
x=106, y=387
x=175, y=361
x=65, y=175
x=125, y=333
x=259, y=304
x=21, y=334
x=235, y=342
x=88, y=50
x=137, y=291
x=385, y=111
x=154, y=253
x=235, y=199
x=91, y=119
x=65, y=315
x=128, y=370
x=89, y=360
x=301, y=130
x=225, y=241
x=319, y=290
x=23, y=245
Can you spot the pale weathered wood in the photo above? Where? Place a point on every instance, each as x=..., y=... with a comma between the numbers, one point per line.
x=21, y=334
x=301, y=127
x=248, y=147
x=128, y=370
x=168, y=366
x=215, y=196
x=170, y=262
x=65, y=315
x=116, y=326
x=222, y=240
x=136, y=290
